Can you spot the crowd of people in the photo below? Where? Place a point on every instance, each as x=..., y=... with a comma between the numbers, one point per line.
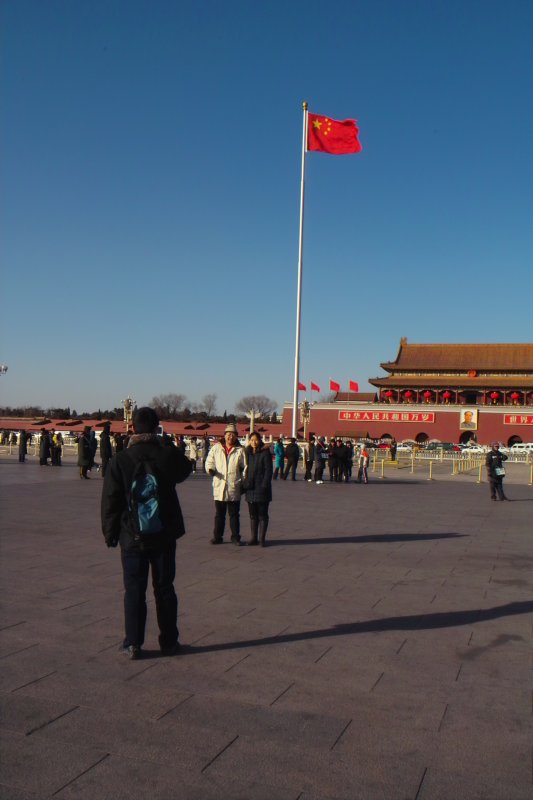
x=337, y=455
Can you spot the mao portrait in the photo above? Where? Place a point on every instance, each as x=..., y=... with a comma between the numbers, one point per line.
x=468, y=421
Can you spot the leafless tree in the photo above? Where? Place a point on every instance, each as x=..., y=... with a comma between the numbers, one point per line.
x=262, y=405
x=168, y=405
x=209, y=403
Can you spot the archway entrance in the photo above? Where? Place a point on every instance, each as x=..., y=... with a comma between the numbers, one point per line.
x=421, y=438
x=466, y=437
x=514, y=440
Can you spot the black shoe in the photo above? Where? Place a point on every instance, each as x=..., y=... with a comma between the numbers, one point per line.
x=236, y=541
x=131, y=651
x=493, y=498
x=173, y=650
x=216, y=541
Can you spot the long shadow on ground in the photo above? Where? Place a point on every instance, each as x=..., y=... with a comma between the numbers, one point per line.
x=379, y=537
x=445, y=619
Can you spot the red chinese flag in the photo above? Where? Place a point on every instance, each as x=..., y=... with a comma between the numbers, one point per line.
x=354, y=387
x=331, y=136
x=334, y=386
x=314, y=387
x=302, y=387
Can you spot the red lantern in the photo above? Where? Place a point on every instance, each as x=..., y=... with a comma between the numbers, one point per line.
x=446, y=395
x=409, y=394
x=515, y=396
x=427, y=393
x=389, y=393
x=494, y=395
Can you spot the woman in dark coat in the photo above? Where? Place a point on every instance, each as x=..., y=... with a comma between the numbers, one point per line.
x=258, y=485
x=44, y=448
x=84, y=453
x=23, y=447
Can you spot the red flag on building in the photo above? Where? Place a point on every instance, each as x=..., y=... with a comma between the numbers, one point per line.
x=334, y=386
x=302, y=387
x=354, y=387
x=331, y=136
x=314, y=387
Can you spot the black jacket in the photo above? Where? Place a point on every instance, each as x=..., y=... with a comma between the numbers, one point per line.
x=342, y=453
x=44, y=446
x=292, y=452
x=494, y=459
x=84, y=451
x=258, y=480
x=171, y=466
x=332, y=454
x=106, y=451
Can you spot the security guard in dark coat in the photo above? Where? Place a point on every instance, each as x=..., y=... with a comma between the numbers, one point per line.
x=496, y=471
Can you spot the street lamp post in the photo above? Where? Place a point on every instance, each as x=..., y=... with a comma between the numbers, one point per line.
x=305, y=416
x=129, y=405
x=252, y=414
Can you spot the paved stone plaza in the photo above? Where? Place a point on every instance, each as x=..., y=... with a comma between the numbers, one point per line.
x=379, y=649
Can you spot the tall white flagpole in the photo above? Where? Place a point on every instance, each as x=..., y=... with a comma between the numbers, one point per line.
x=299, y=292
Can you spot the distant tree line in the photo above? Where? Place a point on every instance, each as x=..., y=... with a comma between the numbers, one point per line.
x=171, y=406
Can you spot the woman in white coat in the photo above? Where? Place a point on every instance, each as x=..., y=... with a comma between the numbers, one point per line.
x=226, y=462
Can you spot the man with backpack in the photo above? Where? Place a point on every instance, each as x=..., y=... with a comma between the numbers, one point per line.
x=141, y=511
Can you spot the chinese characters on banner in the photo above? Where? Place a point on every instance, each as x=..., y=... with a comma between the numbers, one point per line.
x=518, y=419
x=387, y=416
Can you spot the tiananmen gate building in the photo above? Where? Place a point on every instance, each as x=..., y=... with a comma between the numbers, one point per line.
x=444, y=392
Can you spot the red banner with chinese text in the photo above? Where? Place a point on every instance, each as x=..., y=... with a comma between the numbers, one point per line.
x=518, y=419
x=387, y=416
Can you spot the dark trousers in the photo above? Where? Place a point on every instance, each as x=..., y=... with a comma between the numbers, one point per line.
x=308, y=470
x=103, y=466
x=291, y=467
x=333, y=467
x=22, y=457
x=319, y=470
x=278, y=471
x=83, y=472
x=135, y=567
x=496, y=487
x=233, y=509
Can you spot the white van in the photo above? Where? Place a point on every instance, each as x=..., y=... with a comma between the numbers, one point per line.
x=521, y=447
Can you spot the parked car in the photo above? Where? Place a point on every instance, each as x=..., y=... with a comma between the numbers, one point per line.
x=446, y=446
x=521, y=447
x=474, y=449
x=404, y=448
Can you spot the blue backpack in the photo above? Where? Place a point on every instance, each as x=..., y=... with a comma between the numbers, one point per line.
x=143, y=503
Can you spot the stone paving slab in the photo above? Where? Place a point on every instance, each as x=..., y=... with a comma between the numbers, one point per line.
x=378, y=648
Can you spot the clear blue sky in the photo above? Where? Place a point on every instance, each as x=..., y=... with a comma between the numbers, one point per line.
x=150, y=171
